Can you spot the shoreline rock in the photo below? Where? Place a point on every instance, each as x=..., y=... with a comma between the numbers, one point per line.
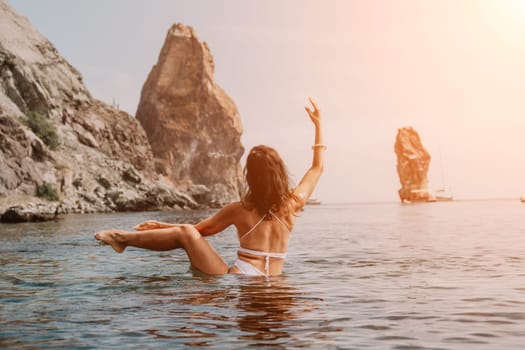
x=89, y=155
x=193, y=126
x=412, y=166
x=30, y=212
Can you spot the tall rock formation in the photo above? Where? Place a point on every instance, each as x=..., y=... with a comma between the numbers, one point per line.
x=55, y=137
x=412, y=166
x=193, y=127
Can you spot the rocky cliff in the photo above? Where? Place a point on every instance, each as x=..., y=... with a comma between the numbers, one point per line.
x=61, y=150
x=193, y=126
x=412, y=166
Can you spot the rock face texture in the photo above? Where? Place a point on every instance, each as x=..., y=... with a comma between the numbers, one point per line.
x=98, y=158
x=412, y=166
x=193, y=127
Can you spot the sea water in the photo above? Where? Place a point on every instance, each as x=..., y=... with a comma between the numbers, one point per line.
x=358, y=276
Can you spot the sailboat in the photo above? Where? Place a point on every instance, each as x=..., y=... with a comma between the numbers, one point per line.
x=313, y=201
x=442, y=194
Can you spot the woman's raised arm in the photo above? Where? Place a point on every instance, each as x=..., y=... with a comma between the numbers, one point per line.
x=309, y=181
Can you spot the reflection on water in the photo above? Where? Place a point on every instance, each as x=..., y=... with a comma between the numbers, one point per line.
x=268, y=309
x=258, y=311
x=438, y=276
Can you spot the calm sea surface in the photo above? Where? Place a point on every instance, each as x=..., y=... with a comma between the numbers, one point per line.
x=360, y=276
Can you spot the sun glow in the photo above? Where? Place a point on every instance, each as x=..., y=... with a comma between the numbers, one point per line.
x=510, y=14
x=517, y=7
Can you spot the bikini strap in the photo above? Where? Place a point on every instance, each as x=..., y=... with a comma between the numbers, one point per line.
x=279, y=220
x=253, y=227
x=265, y=254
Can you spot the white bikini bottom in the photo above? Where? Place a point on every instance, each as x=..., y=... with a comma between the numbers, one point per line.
x=250, y=270
x=247, y=269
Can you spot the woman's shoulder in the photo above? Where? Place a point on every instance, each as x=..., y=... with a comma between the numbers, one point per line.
x=241, y=213
x=233, y=211
x=297, y=199
x=236, y=206
x=233, y=206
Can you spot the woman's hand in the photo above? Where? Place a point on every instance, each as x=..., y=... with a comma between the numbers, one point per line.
x=309, y=181
x=149, y=225
x=315, y=114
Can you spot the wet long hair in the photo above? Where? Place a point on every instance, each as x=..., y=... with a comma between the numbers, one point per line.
x=268, y=181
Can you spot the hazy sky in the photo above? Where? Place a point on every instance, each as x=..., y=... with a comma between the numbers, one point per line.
x=452, y=69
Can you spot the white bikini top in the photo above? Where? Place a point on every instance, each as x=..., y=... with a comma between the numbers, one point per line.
x=266, y=255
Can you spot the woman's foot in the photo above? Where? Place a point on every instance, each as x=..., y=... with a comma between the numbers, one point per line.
x=114, y=238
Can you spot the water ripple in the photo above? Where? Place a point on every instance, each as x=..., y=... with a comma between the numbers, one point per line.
x=380, y=277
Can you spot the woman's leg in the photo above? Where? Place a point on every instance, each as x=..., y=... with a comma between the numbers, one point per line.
x=201, y=254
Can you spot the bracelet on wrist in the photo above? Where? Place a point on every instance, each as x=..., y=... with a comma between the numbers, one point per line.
x=319, y=146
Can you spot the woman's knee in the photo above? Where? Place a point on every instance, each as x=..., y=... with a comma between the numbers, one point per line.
x=188, y=233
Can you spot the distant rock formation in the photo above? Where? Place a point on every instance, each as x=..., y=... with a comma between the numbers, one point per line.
x=193, y=127
x=412, y=166
x=88, y=156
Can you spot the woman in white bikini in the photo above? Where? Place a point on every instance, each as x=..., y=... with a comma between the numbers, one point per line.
x=264, y=218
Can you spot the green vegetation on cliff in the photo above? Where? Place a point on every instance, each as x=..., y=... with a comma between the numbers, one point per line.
x=43, y=129
x=47, y=191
